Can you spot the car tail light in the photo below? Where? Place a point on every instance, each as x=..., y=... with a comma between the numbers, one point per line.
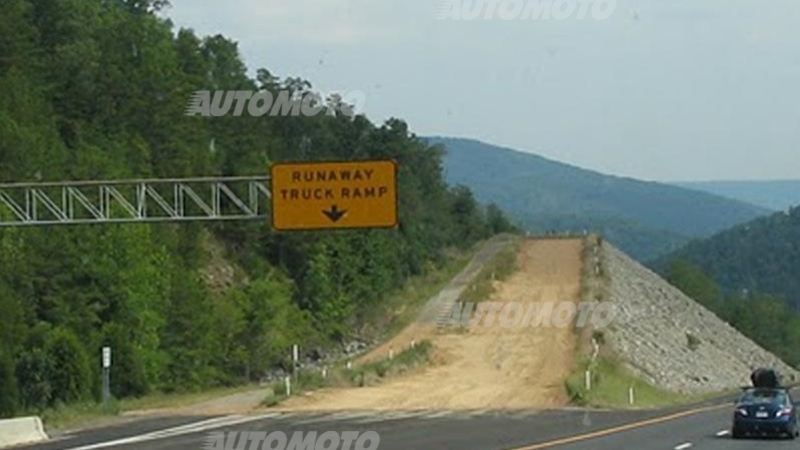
x=784, y=412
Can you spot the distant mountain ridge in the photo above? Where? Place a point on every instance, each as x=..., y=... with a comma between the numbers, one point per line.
x=644, y=219
x=759, y=256
x=777, y=195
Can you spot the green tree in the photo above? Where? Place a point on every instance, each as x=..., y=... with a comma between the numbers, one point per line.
x=69, y=370
x=696, y=284
x=9, y=392
x=97, y=90
x=497, y=220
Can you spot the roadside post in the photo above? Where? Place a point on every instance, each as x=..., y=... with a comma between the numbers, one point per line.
x=106, y=376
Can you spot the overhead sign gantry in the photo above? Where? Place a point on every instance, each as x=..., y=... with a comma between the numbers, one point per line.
x=127, y=201
x=297, y=196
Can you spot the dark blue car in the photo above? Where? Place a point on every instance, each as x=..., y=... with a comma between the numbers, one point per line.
x=765, y=411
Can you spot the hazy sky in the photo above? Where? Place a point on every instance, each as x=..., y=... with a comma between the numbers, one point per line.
x=660, y=90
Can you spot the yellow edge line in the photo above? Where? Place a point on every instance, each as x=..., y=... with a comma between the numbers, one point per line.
x=620, y=428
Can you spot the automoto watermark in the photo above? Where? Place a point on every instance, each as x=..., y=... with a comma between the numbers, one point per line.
x=278, y=440
x=260, y=103
x=545, y=314
x=526, y=9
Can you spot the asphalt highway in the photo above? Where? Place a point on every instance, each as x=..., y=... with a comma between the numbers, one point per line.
x=704, y=427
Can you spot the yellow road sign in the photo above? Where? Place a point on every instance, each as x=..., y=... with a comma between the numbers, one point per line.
x=325, y=195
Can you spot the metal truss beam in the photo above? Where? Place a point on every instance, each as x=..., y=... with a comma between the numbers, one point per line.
x=132, y=201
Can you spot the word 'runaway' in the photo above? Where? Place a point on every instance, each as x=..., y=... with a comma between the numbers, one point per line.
x=312, y=176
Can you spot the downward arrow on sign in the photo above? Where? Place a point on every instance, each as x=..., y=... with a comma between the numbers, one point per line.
x=334, y=214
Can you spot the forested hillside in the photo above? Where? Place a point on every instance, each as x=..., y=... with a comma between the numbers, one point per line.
x=94, y=89
x=644, y=219
x=765, y=319
x=759, y=256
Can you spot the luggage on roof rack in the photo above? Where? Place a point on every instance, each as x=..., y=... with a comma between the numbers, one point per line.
x=765, y=378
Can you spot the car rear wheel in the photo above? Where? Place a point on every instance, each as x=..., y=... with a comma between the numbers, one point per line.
x=737, y=433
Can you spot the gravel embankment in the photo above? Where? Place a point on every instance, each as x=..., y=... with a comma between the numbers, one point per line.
x=652, y=327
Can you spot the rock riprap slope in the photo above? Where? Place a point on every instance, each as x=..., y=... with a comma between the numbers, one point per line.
x=670, y=340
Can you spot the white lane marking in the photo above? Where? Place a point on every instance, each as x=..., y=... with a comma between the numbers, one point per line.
x=221, y=421
x=439, y=414
x=723, y=433
x=351, y=415
x=196, y=427
x=311, y=418
x=334, y=417
x=683, y=446
x=392, y=416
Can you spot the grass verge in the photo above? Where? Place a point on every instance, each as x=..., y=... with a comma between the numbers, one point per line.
x=62, y=417
x=481, y=288
x=404, y=305
x=366, y=375
x=610, y=384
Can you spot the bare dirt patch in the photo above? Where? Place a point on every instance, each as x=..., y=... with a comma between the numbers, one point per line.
x=489, y=366
x=425, y=325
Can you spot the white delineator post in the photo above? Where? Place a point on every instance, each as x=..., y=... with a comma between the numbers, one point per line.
x=630, y=395
x=288, y=381
x=106, y=376
x=588, y=380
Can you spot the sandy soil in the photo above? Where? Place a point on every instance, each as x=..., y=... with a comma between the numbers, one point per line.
x=490, y=366
x=425, y=325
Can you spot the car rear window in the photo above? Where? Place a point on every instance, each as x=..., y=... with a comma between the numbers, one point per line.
x=765, y=397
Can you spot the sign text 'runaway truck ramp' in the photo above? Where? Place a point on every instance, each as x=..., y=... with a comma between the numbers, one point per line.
x=317, y=196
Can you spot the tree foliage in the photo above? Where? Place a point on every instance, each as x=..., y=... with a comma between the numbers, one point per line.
x=765, y=319
x=97, y=90
x=758, y=256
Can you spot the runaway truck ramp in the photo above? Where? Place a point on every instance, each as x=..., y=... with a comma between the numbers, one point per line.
x=490, y=366
x=22, y=430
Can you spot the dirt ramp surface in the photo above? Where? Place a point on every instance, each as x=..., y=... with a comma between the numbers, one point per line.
x=489, y=366
x=425, y=325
